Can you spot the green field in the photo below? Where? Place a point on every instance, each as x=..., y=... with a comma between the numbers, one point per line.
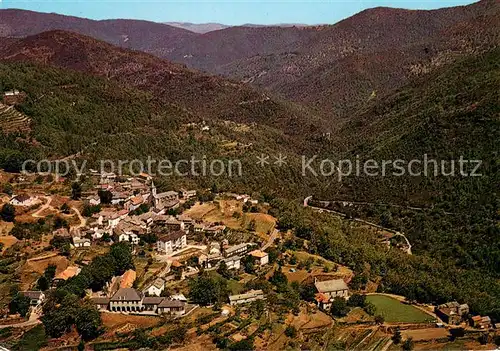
x=394, y=311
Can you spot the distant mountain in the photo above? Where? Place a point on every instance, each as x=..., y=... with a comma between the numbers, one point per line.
x=203, y=28
x=205, y=96
x=198, y=27
x=339, y=68
x=335, y=69
x=133, y=34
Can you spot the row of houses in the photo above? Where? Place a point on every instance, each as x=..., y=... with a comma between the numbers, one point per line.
x=129, y=300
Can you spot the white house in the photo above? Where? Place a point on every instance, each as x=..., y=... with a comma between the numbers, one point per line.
x=261, y=257
x=247, y=297
x=36, y=297
x=233, y=262
x=80, y=242
x=156, y=288
x=328, y=290
x=23, y=200
x=93, y=200
x=171, y=242
x=131, y=237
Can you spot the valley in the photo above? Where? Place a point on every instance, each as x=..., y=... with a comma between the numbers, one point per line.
x=362, y=212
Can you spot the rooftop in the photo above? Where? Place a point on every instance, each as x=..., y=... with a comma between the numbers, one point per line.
x=331, y=285
x=127, y=294
x=247, y=295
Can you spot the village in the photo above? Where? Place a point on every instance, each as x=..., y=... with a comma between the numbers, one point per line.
x=180, y=236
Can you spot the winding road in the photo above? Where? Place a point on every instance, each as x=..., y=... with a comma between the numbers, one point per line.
x=396, y=233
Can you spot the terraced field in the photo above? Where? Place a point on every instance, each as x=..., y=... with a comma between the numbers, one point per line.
x=12, y=121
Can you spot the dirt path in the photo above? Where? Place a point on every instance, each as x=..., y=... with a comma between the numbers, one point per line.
x=33, y=320
x=82, y=223
x=270, y=241
x=43, y=208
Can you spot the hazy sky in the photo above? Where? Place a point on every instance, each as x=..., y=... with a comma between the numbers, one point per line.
x=224, y=11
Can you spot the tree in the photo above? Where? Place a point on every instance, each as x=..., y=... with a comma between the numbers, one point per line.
x=248, y=264
x=396, y=337
x=60, y=223
x=7, y=189
x=88, y=322
x=370, y=308
x=223, y=270
x=245, y=344
x=42, y=283
x=81, y=346
x=408, y=344
x=8, y=213
x=339, y=307
x=290, y=331
x=497, y=340
x=50, y=272
x=257, y=308
x=307, y=291
x=278, y=278
x=273, y=254
x=105, y=196
x=76, y=191
x=58, y=318
x=357, y=300
x=483, y=339
x=379, y=319
x=122, y=254
x=252, y=225
x=65, y=208
x=19, y=304
x=206, y=290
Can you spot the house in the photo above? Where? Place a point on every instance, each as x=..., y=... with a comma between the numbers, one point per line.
x=127, y=279
x=199, y=227
x=119, y=197
x=110, y=217
x=173, y=224
x=214, y=229
x=134, y=203
x=156, y=288
x=36, y=297
x=233, y=262
x=108, y=178
x=93, y=200
x=130, y=237
x=24, y=200
x=79, y=242
x=172, y=307
x=179, y=297
x=151, y=303
x=237, y=250
x=188, y=222
x=328, y=290
x=62, y=232
x=171, y=242
x=260, y=257
x=247, y=297
x=126, y=300
x=452, y=312
x=480, y=322
x=101, y=303
x=186, y=194
x=13, y=97
x=209, y=260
